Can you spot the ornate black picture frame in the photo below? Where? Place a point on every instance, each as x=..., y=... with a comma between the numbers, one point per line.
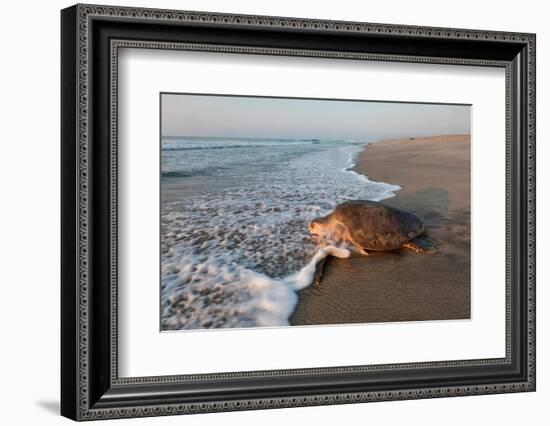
x=91, y=387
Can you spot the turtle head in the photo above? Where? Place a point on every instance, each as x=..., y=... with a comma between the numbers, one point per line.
x=317, y=227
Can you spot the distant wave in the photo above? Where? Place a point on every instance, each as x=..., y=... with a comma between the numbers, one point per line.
x=207, y=171
x=177, y=174
x=224, y=146
x=187, y=146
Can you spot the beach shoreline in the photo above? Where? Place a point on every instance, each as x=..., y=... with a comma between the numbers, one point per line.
x=434, y=176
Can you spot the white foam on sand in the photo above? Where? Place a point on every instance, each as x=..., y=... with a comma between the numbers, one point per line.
x=238, y=297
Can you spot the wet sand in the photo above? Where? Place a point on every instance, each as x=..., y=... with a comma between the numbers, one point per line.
x=434, y=174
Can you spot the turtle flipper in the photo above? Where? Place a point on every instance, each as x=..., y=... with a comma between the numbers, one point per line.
x=339, y=252
x=421, y=244
x=319, y=271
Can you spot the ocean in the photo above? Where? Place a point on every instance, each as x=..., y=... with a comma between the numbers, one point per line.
x=235, y=246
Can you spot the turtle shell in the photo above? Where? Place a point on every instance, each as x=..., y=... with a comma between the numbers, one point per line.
x=376, y=226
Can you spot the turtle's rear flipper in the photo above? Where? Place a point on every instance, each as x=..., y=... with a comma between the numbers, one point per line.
x=422, y=244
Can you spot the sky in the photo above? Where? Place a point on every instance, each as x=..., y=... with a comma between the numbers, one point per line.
x=291, y=118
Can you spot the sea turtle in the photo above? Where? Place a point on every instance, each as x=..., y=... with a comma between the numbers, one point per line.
x=370, y=226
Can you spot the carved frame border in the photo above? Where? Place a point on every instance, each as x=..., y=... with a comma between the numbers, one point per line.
x=86, y=13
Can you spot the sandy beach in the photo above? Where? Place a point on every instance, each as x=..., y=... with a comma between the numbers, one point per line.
x=434, y=174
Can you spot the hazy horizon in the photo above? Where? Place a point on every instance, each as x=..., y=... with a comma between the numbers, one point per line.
x=294, y=118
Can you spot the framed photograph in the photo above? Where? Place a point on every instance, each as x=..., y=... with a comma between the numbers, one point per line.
x=263, y=212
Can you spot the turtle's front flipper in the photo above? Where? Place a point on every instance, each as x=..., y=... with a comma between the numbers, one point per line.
x=421, y=244
x=319, y=271
x=322, y=254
